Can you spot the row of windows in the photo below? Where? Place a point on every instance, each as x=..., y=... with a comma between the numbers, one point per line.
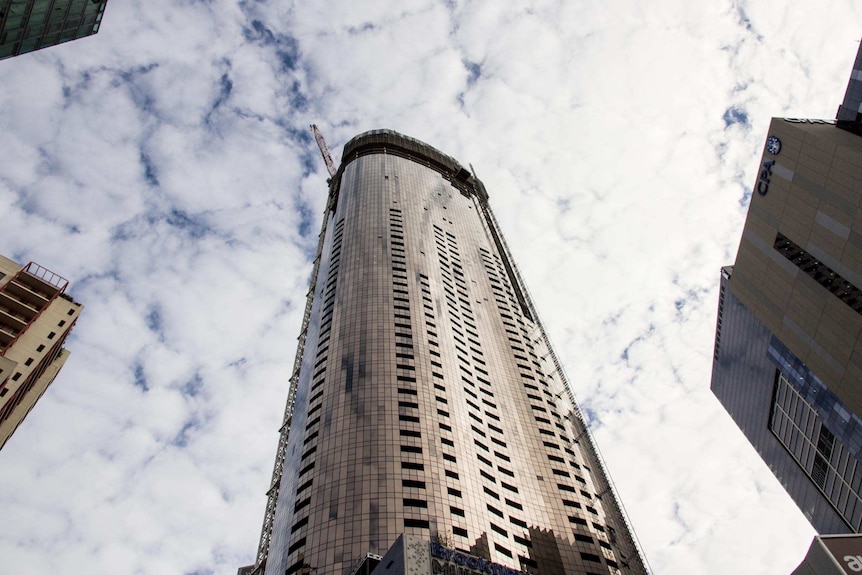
x=301, y=498
x=530, y=371
x=820, y=272
x=832, y=467
x=460, y=312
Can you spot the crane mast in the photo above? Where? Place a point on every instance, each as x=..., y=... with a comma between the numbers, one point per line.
x=324, y=150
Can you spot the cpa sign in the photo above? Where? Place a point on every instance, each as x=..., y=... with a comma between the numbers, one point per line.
x=763, y=178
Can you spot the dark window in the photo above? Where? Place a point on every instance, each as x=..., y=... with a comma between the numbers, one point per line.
x=501, y=549
x=511, y=488
x=296, y=546
x=514, y=504
x=820, y=272
x=299, y=524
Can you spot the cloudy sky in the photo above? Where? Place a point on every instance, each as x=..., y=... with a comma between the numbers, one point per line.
x=165, y=167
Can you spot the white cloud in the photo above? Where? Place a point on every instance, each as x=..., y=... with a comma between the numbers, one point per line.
x=165, y=168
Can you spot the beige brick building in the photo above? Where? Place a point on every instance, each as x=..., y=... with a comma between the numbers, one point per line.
x=36, y=316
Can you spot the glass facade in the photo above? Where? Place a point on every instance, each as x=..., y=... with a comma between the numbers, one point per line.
x=427, y=399
x=819, y=433
x=27, y=25
x=781, y=406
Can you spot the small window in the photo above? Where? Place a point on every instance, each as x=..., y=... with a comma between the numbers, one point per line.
x=29, y=361
x=503, y=550
x=17, y=376
x=51, y=335
x=514, y=504
x=296, y=546
x=62, y=323
x=71, y=312
x=299, y=524
x=491, y=493
x=40, y=348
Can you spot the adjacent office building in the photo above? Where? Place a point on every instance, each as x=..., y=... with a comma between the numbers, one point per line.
x=427, y=412
x=788, y=344
x=36, y=316
x=27, y=25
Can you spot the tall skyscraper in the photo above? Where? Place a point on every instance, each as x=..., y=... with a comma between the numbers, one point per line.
x=27, y=25
x=426, y=398
x=35, y=317
x=788, y=353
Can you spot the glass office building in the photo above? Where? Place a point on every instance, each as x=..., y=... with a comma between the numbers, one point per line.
x=27, y=25
x=788, y=354
x=426, y=399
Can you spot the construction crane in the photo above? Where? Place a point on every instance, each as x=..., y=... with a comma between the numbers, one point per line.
x=324, y=151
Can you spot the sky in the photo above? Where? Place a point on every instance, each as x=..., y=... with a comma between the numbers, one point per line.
x=165, y=167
